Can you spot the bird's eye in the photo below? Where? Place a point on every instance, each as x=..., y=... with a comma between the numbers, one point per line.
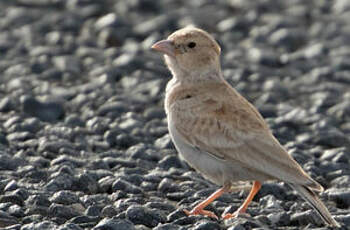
x=191, y=45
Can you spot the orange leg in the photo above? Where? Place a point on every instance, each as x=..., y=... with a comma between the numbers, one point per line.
x=255, y=188
x=199, y=209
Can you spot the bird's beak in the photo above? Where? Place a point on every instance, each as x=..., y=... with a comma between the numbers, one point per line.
x=165, y=46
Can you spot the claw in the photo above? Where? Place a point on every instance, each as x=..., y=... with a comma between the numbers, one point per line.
x=200, y=212
x=229, y=216
x=232, y=215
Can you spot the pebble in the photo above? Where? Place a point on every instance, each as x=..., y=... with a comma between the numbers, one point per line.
x=142, y=215
x=114, y=224
x=69, y=226
x=168, y=186
x=340, y=196
x=337, y=155
x=164, y=142
x=305, y=218
x=14, y=199
x=12, y=185
x=279, y=218
x=63, y=211
x=7, y=219
x=44, y=110
x=122, y=185
x=64, y=197
x=5, y=104
x=84, y=142
x=167, y=227
x=270, y=201
x=40, y=226
x=109, y=211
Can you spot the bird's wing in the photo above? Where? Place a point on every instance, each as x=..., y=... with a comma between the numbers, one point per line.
x=230, y=128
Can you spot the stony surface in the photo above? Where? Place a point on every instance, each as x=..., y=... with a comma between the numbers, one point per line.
x=83, y=136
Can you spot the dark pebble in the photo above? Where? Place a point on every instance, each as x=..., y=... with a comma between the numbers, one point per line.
x=125, y=186
x=52, y=74
x=177, y=214
x=19, y=136
x=187, y=220
x=279, y=218
x=7, y=220
x=31, y=125
x=160, y=206
x=21, y=192
x=49, y=111
x=86, y=182
x=112, y=107
x=60, y=182
x=141, y=151
x=93, y=210
x=62, y=211
x=237, y=226
x=170, y=161
x=13, y=227
x=65, y=198
x=264, y=57
x=14, y=199
x=168, y=186
x=108, y=20
x=272, y=189
x=290, y=39
x=124, y=141
x=70, y=226
x=73, y=120
x=331, y=138
x=305, y=218
x=32, y=218
x=207, y=225
x=167, y=227
x=40, y=226
x=110, y=37
x=114, y=224
x=341, y=182
x=340, y=196
x=109, y=211
x=98, y=124
x=337, y=155
x=9, y=163
x=142, y=215
x=154, y=113
x=67, y=63
x=5, y=104
x=62, y=159
x=148, y=186
x=16, y=211
x=85, y=220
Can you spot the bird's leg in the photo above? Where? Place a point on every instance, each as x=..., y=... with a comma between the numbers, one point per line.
x=254, y=190
x=199, y=209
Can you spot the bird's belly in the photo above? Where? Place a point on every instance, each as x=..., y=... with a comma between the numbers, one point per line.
x=216, y=170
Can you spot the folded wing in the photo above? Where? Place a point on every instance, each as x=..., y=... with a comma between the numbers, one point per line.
x=230, y=128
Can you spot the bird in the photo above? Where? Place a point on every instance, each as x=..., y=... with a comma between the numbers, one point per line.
x=218, y=132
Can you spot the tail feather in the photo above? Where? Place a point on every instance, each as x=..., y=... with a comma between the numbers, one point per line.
x=316, y=203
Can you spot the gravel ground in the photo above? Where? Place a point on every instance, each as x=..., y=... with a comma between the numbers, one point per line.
x=83, y=134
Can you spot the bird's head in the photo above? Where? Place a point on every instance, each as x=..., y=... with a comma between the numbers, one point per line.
x=190, y=51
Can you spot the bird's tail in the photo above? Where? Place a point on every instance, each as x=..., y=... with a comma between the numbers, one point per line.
x=316, y=203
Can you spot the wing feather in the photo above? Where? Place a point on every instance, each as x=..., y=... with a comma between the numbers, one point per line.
x=228, y=127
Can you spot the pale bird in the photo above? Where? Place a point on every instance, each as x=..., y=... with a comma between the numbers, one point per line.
x=218, y=132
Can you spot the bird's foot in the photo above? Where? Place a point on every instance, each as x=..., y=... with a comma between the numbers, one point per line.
x=200, y=212
x=233, y=215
